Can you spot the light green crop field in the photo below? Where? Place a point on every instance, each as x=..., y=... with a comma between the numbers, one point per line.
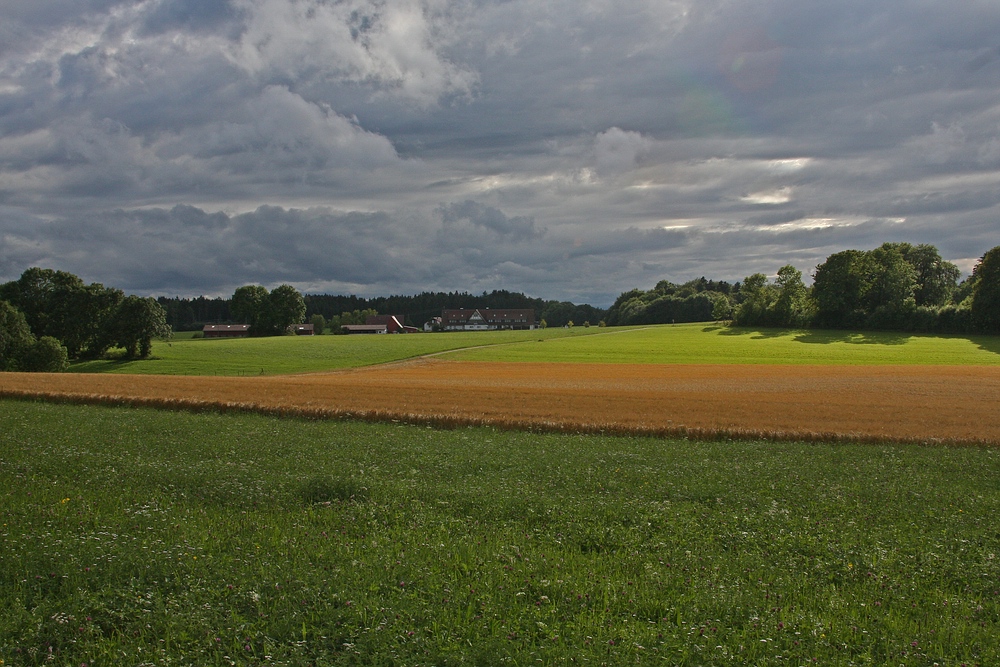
x=303, y=354
x=138, y=537
x=714, y=344
x=665, y=344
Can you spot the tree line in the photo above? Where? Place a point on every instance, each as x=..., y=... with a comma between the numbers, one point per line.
x=897, y=286
x=185, y=314
x=421, y=308
x=699, y=300
x=48, y=317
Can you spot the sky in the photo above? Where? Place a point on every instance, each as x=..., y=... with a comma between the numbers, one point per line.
x=567, y=149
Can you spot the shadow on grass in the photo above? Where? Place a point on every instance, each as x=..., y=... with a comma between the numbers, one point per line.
x=826, y=337
x=754, y=332
x=106, y=365
x=98, y=366
x=985, y=343
x=817, y=336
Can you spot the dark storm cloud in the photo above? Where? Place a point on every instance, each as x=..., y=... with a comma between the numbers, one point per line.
x=630, y=242
x=581, y=147
x=476, y=215
x=186, y=249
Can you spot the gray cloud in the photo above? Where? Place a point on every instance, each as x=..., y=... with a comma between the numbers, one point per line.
x=581, y=148
x=475, y=215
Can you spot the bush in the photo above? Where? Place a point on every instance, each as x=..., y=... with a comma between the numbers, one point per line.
x=326, y=489
x=15, y=337
x=954, y=319
x=46, y=355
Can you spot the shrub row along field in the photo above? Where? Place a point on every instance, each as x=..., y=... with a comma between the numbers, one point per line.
x=251, y=540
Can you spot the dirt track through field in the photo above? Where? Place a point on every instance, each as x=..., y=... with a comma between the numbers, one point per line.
x=951, y=403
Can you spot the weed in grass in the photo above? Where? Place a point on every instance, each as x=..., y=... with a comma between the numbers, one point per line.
x=326, y=489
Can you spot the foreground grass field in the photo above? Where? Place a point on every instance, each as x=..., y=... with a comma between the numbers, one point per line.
x=249, y=540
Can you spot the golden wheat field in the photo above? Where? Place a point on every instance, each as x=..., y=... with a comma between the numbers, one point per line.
x=911, y=403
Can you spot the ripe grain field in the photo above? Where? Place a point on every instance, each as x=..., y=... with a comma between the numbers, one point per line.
x=865, y=387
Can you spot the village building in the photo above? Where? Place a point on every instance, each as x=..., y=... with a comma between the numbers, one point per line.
x=243, y=330
x=380, y=324
x=226, y=330
x=488, y=319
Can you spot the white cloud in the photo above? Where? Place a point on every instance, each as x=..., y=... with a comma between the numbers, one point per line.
x=779, y=196
x=395, y=45
x=280, y=129
x=617, y=151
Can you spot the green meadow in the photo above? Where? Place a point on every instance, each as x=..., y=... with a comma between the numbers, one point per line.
x=303, y=354
x=145, y=537
x=715, y=344
x=680, y=344
x=141, y=537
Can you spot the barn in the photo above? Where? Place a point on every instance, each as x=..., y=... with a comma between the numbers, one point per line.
x=226, y=330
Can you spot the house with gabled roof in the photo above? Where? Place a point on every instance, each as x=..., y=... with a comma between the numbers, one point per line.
x=488, y=319
x=226, y=330
x=380, y=324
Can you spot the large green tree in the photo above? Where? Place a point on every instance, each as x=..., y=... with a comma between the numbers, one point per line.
x=46, y=355
x=136, y=323
x=936, y=279
x=249, y=304
x=888, y=286
x=20, y=351
x=268, y=313
x=986, y=292
x=285, y=308
x=756, y=299
x=61, y=305
x=15, y=337
x=838, y=286
x=790, y=307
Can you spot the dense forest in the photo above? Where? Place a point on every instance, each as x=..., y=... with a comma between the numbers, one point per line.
x=192, y=314
x=897, y=286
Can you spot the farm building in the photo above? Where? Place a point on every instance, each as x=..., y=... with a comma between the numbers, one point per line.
x=364, y=328
x=488, y=319
x=379, y=324
x=393, y=323
x=226, y=330
x=302, y=329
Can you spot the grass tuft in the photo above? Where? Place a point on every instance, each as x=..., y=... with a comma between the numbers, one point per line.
x=326, y=489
